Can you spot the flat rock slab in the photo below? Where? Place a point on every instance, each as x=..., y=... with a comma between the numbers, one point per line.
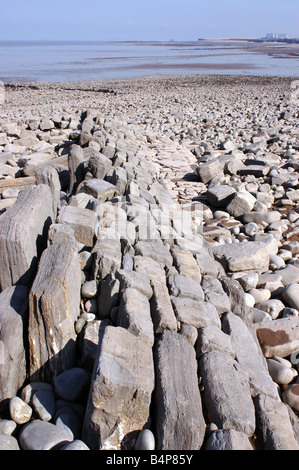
x=228, y=439
x=54, y=306
x=220, y=195
x=274, y=424
x=23, y=235
x=134, y=314
x=100, y=189
x=278, y=337
x=183, y=286
x=121, y=389
x=13, y=319
x=82, y=221
x=41, y=435
x=162, y=312
x=195, y=312
x=244, y=256
x=249, y=355
x=107, y=258
x=179, y=418
x=226, y=393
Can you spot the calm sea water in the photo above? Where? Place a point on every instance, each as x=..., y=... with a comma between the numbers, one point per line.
x=74, y=61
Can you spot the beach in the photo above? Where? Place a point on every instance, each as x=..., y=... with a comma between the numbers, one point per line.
x=149, y=263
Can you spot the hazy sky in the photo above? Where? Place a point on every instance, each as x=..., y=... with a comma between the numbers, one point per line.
x=105, y=20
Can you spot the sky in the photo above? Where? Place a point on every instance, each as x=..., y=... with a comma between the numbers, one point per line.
x=146, y=20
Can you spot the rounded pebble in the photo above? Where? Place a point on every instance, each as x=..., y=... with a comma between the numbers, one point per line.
x=8, y=442
x=7, y=426
x=291, y=397
x=145, y=440
x=279, y=372
x=89, y=289
x=72, y=384
x=41, y=435
x=20, y=412
x=75, y=445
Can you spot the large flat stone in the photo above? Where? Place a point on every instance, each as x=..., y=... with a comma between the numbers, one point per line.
x=82, y=221
x=100, y=189
x=226, y=393
x=121, y=389
x=244, y=256
x=274, y=425
x=195, y=312
x=13, y=321
x=23, y=235
x=179, y=418
x=54, y=306
x=278, y=337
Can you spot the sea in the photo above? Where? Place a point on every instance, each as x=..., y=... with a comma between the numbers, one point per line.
x=76, y=61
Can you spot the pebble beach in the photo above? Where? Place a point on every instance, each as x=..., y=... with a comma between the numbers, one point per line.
x=149, y=264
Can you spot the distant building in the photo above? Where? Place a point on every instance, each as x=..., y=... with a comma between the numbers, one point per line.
x=276, y=36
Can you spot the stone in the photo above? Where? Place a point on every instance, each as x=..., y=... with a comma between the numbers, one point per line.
x=244, y=256
x=99, y=165
x=43, y=403
x=107, y=258
x=139, y=281
x=183, y=286
x=8, y=442
x=228, y=439
x=212, y=338
x=23, y=235
x=279, y=373
x=41, y=435
x=82, y=221
x=272, y=306
x=259, y=217
x=289, y=275
x=186, y=264
x=99, y=189
x=273, y=424
x=46, y=124
x=89, y=290
x=221, y=195
x=226, y=393
x=155, y=250
x=249, y=355
x=195, y=312
x=13, y=320
x=179, y=418
x=134, y=314
x=7, y=426
x=19, y=411
x=278, y=337
x=145, y=440
x=75, y=445
x=54, y=300
x=206, y=263
x=72, y=384
x=214, y=294
x=290, y=397
x=207, y=171
x=49, y=175
x=162, y=312
x=76, y=167
x=291, y=295
x=30, y=389
x=249, y=281
x=242, y=202
x=120, y=393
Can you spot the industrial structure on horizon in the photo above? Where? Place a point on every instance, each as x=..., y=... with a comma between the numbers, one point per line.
x=276, y=36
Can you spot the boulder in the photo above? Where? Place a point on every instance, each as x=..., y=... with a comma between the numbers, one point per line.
x=54, y=306
x=23, y=235
x=120, y=393
x=226, y=393
x=278, y=337
x=13, y=323
x=244, y=256
x=179, y=418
